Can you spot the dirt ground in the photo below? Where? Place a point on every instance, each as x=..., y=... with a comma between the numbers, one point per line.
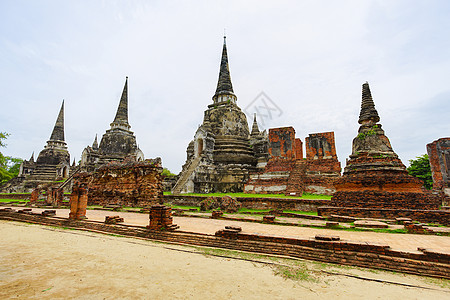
x=39, y=262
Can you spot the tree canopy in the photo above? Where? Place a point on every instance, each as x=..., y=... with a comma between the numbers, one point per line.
x=420, y=168
x=166, y=173
x=9, y=166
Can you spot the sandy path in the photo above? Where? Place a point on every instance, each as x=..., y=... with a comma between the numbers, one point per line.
x=38, y=262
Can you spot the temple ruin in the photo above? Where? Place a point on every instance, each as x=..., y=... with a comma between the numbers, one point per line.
x=224, y=155
x=375, y=182
x=52, y=164
x=116, y=144
x=439, y=155
x=219, y=158
x=286, y=171
x=128, y=183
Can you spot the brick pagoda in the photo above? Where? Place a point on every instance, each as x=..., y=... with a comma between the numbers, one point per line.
x=374, y=176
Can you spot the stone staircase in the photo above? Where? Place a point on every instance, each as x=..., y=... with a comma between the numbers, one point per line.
x=296, y=178
x=185, y=175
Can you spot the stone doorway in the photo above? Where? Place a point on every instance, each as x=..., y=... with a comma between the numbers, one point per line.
x=65, y=172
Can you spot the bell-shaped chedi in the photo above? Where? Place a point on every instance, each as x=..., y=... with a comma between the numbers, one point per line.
x=118, y=143
x=55, y=153
x=220, y=156
x=52, y=163
x=374, y=176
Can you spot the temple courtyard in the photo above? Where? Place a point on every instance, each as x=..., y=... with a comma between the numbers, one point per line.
x=41, y=262
x=206, y=225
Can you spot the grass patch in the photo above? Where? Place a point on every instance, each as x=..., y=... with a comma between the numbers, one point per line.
x=289, y=269
x=243, y=209
x=294, y=273
x=311, y=213
x=94, y=206
x=380, y=230
x=305, y=195
x=14, y=200
x=182, y=206
x=14, y=194
x=443, y=283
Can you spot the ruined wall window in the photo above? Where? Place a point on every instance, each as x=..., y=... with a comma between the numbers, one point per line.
x=199, y=147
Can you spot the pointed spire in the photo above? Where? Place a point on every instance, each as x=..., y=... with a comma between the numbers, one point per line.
x=368, y=111
x=73, y=165
x=122, y=111
x=224, y=85
x=255, y=129
x=32, y=157
x=58, y=130
x=95, y=143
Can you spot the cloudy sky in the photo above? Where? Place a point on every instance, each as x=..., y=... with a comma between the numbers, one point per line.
x=309, y=58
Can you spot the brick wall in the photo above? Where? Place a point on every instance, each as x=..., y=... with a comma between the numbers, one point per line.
x=320, y=145
x=15, y=196
x=439, y=154
x=323, y=167
x=282, y=142
x=298, y=149
x=128, y=184
x=316, y=177
x=381, y=199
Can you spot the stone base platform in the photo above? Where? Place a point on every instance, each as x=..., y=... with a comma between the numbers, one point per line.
x=427, y=216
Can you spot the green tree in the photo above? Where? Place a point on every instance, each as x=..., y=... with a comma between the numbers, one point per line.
x=9, y=166
x=3, y=136
x=166, y=173
x=420, y=168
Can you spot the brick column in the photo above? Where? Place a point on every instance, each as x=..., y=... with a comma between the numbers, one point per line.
x=34, y=196
x=49, y=196
x=161, y=218
x=82, y=203
x=73, y=204
x=78, y=204
x=58, y=197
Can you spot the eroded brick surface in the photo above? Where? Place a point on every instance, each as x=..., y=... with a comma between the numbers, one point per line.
x=282, y=142
x=287, y=172
x=439, y=155
x=320, y=145
x=127, y=184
